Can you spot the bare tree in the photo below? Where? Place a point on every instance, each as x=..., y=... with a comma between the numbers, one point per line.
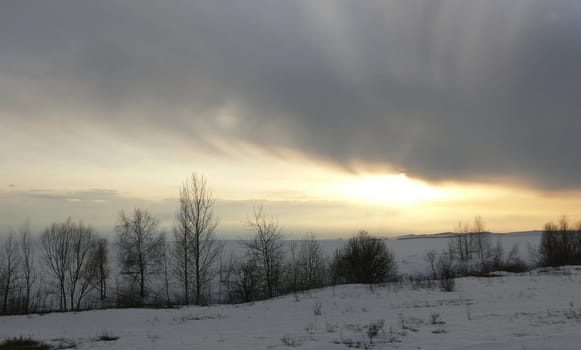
x=507, y=262
x=140, y=247
x=67, y=249
x=181, y=252
x=311, y=262
x=28, y=270
x=100, y=261
x=266, y=249
x=460, y=244
x=560, y=244
x=82, y=270
x=446, y=272
x=472, y=243
x=55, y=243
x=431, y=258
x=242, y=280
x=166, y=268
x=481, y=240
x=293, y=268
x=223, y=275
x=196, y=248
x=9, y=275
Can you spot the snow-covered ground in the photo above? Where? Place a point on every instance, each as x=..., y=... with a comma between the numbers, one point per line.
x=537, y=310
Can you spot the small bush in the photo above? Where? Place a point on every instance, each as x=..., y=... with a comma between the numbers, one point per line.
x=23, y=344
x=64, y=343
x=317, y=309
x=364, y=259
x=290, y=341
x=446, y=273
x=435, y=319
x=106, y=335
x=518, y=266
x=310, y=327
x=440, y=331
x=374, y=329
x=331, y=327
x=419, y=281
x=129, y=297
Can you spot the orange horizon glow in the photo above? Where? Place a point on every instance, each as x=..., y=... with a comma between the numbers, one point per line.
x=307, y=195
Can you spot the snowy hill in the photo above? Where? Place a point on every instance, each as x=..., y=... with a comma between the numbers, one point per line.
x=537, y=310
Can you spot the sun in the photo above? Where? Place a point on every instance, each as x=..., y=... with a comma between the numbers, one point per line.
x=390, y=190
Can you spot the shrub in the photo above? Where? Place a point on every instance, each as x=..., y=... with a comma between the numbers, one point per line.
x=106, y=335
x=446, y=273
x=23, y=344
x=243, y=281
x=364, y=259
x=290, y=341
x=317, y=310
x=374, y=329
x=436, y=319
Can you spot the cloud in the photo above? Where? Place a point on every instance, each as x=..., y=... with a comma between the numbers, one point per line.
x=97, y=207
x=447, y=90
x=91, y=195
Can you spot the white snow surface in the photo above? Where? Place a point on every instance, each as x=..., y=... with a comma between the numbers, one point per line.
x=536, y=310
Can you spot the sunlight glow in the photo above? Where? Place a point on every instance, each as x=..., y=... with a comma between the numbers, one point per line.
x=391, y=190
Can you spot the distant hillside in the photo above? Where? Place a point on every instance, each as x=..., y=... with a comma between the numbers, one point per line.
x=450, y=234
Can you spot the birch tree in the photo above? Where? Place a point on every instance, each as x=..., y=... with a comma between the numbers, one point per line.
x=196, y=249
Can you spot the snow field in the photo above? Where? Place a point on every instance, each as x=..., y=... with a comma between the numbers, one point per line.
x=536, y=310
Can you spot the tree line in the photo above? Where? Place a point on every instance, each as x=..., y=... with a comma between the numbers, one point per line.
x=560, y=244
x=70, y=266
x=471, y=252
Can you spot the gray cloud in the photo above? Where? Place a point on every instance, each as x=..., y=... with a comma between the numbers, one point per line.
x=101, y=207
x=98, y=207
x=448, y=90
x=90, y=195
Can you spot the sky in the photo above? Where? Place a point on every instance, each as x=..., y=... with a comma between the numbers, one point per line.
x=398, y=116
